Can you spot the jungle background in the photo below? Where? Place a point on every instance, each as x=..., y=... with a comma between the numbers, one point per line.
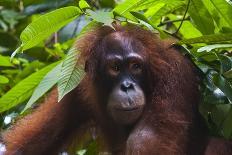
x=36, y=38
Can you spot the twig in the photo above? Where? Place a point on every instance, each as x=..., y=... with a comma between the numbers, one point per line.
x=172, y=21
x=76, y=28
x=173, y=35
x=56, y=37
x=183, y=17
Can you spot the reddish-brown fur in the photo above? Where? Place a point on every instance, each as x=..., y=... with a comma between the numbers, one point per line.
x=170, y=124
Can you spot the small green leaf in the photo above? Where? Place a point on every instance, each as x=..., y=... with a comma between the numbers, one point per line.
x=3, y=79
x=23, y=90
x=83, y=4
x=5, y=61
x=45, y=85
x=104, y=17
x=228, y=74
x=71, y=73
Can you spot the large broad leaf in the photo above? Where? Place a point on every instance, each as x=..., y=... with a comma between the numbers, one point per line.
x=45, y=85
x=214, y=38
x=71, y=73
x=201, y=17
x=220, y=20
x=186, y=26
x=47, y=24
x=167, y=8
x=224, y=9
x=23, y=90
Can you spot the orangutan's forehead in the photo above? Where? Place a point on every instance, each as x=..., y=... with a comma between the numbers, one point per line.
x=121, y=42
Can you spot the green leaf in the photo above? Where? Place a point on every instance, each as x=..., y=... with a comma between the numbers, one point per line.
x=220, y=21
x=142, y=18
x=154, y=9
x=226, y=62
x=187, y=26
x=201, y=17
x=83, y=4
x=214, y=38
x=3, y=79
x=5, y=61
x=228, y=74
x=45, y=85
x=47, y=24
x=224, y=9
x=209, y=48
x=127, y=6
x=223, y=85
x=23, y=90
x=166, y=9
x=124, y=8
x=71, y=73
x=104, y=17
x=227, y=125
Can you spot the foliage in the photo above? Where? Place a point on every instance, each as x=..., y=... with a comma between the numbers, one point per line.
x=46, y=32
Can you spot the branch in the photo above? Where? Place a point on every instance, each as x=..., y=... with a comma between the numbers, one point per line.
x=183, y=17
x=172, y=21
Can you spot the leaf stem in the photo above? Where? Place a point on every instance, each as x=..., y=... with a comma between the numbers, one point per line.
x=183, y=17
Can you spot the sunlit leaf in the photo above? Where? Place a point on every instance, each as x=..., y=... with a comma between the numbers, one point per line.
x=83, y=4
x=47, y=24
x=166, y=9
x=224, y=9
x=3, y=79
x=201, y=17
x=5, y=61
x=71, y=73
x=124, y=8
